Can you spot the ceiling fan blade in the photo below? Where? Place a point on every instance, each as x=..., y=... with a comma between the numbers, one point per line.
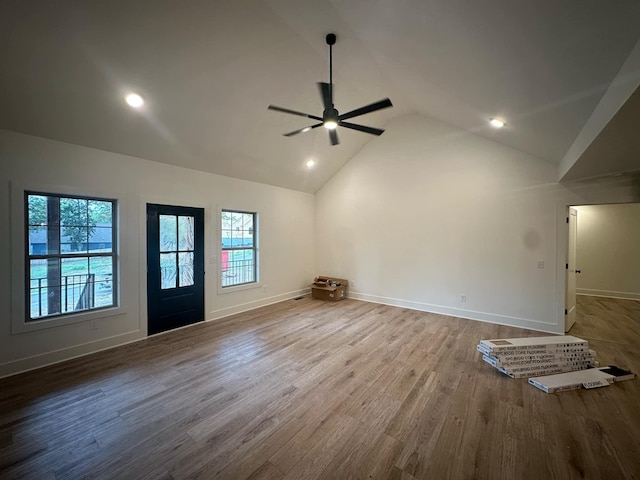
x=333, y=135
x=302, y=130
x=325, y=93
x=367, y=109
x=362, y=128
x=293, y=112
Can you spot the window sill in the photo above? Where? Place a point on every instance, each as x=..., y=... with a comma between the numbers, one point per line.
x=238, y=288
x=80, y=317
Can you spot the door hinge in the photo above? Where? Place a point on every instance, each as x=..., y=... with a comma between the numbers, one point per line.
x=567, y=219
x=566, y=312
x=566, y=266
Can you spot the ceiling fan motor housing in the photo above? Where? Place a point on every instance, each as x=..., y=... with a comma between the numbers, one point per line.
x=330, y=114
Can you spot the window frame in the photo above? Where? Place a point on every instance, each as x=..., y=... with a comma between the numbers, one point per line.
x=19, y=253
x=255, y=248
x=64, y=255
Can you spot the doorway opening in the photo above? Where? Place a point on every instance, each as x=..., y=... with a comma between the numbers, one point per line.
x=603, y=261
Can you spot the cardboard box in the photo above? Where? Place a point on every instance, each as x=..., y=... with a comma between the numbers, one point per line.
x=591, y=378
x=531, y=345
x=329, y=288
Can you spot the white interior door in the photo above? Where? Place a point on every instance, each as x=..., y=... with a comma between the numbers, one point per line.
x=570, y=298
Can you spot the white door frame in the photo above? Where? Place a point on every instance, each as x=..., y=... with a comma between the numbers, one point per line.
x=571, y=271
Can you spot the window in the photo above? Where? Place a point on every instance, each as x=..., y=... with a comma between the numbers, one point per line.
x=239, y=255
x=71, y=245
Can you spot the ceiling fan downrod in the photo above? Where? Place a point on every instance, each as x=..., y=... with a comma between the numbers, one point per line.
x=331, y=41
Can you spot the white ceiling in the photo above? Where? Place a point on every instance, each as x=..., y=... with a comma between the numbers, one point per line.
x=209, y=69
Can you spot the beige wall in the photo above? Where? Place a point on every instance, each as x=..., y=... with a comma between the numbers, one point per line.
x=608, y=250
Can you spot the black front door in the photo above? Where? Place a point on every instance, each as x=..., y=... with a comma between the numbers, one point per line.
x=175, y=266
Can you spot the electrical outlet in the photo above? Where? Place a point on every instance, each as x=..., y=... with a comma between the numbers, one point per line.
x=353, y=284
x=540, y=263
x=93, y=325
x=463, y=297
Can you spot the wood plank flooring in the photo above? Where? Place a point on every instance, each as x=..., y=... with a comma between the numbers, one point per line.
x=306, y=389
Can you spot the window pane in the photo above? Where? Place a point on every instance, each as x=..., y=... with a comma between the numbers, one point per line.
x=247, y=230
x=75, y=266
x=102, y=270
x=240, y=267
x=168, y=233
x=100, y=239
x=186, y=268
x=75, y=275
x=226, y=229
x=185, y=233
x=38, y=288
x=100, y=213
x=74, y=239
x=74, y=212
x=37, y=241
x=37, y=210
x=168, y=269
x=43, y=221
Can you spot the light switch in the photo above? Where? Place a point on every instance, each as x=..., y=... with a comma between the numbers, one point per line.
x=540, y=263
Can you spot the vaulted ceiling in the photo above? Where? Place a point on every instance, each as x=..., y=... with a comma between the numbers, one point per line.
x=209, y=69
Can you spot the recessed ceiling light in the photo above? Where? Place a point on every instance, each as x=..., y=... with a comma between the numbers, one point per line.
x=134, y=100
x=310, y=163
x=496, y=123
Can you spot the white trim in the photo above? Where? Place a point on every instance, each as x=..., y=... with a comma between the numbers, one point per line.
x=562, y=255
x=17, y=281
x=609, y=294
x=41, y=360
x=516, y=322
x=263, y=302
x=218, y=245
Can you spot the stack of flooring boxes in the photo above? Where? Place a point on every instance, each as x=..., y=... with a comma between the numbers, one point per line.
x=537, y=356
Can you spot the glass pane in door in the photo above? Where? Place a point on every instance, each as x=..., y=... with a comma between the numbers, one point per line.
x=186, y=268
x=168, y=233
x=168, y=270
x=185, y=233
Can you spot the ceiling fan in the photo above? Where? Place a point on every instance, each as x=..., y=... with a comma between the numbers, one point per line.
x=331, y=119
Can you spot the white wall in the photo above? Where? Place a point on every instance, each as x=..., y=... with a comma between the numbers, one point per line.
x=286, y=239
x=608, y=250
x=426, y=213
x=421, y=215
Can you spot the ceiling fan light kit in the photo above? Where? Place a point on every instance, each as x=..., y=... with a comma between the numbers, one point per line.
x=331, y=118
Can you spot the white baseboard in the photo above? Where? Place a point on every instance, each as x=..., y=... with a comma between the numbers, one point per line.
x=57, y=356
x=263, y=302
x=34, y=362
x=461, y=313
x=62, y=355
x=609, y=294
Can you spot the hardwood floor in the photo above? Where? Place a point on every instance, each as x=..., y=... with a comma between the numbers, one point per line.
x=306, y=389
